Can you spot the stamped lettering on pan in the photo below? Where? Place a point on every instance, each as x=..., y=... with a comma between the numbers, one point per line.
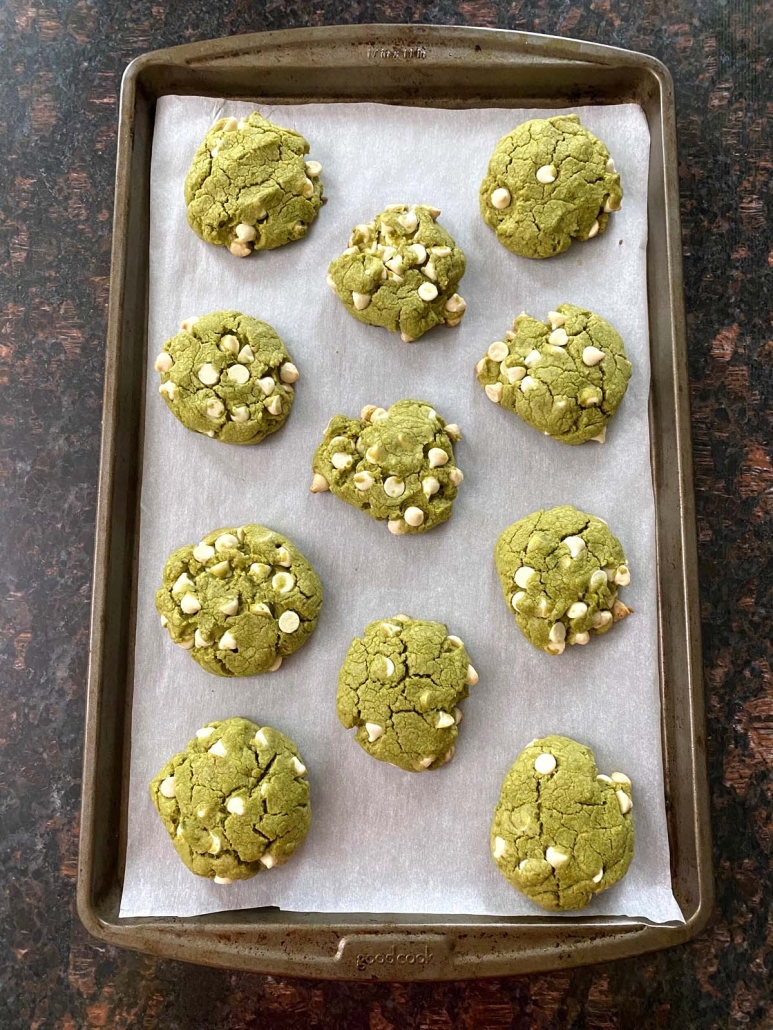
x=385, y=956
x=397, y=53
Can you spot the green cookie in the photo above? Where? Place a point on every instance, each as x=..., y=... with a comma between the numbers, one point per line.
x=400, y=685
x=562, y=832
x=566, y=377
x=228, y=376
x=396, y=465
x=240, y=600
x=401, y=271
x=249, y=187
x=549, y=182
x=235, y=801
x=560, y=571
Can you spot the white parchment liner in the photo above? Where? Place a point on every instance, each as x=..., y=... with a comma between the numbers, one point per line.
x=382, y=840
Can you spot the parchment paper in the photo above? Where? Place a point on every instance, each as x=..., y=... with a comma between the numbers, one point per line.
x=382, y=840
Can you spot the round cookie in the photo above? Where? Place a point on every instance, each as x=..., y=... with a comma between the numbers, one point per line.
x=401, y=271
x=228, y=376
x=240, y=601
x=561, y=831
x=236, y=801
x=549, y=182
x=249, y=187
x=560, y=571
x=399, y=685
x=565, y=377
x=396, y=465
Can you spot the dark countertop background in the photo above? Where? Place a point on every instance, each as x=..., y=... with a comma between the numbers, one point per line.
x=60, y=69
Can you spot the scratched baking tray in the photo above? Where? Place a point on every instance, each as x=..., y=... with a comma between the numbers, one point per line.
x=443, y=67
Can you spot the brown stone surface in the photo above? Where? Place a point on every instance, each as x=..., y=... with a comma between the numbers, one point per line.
x=60, y=67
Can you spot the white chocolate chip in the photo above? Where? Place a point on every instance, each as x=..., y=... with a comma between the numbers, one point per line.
x=166, y=787
x=500, y=198
x=208, y=374
x=598, y=580
x=214, y=408
x=394, y=487
x=374, y=731
x=429, y=270
x=546, y=174
x=558, y=338
x=360, y=300
x=240, y=413
x=288, y=373
x=472, y=677
x=283, y=557
x=363, y=480
x=389, y=665
x=340, y=460
x=532, y=358
x=593, y=230
x=226, y=542
x=456, y=304
x=456, y=476
x=397, y=527
x=245, y=233
x=624, y=801
x=182, y=583
x=524, y=576
x=528, y=383
x=598, y=877
x=576, y=545
x=425, y=763
x=168, y=390
x=190, y=604
x=557, y=633
x=601, y=619
x=274, y=406
x=245, y=355
x=580, y=638
x=239, y=250
x=427, y=291
x=223, y=880
x=238, y=374
x=618, y=777
x=319, y=484
x=332, y=283
x=259, y=568
x=218, y=748
x=454, y=641
x=235, y=806
x=453, y=431
x=227, y=642
x=601, y=437
x=261, y=738
x=283, y=582
x=498, y=350
x=163, y=362
x=186, y=644
x=603, y=778
x=623, y=576
x=420, y=252
x=592, y=356
x=259, y=608
x=229, y=343
x=518, y=596
x=555, y=857
x=444, y=720
x=268, y=861
x=556, y=319
x=199, y=640
x=307, y=190
x=544, y=764
x=164, y=621
x=611, y=166
x=441, y=251
x=514, y=374
x=494, y=392
x=500, y=846
x=298, y=767
x=609, y=207
x=189, y=323
x=577, y=610
x=429, y=486
x=267, y=385
x=204, y=732
x=313, y=169
x=414, y=516
x=230, y=607
x=457, y=715
x=289, y=621
x=437, y=456
x=409, y=221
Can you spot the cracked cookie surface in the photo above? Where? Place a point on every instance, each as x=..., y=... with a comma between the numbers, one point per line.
x=560, y=572
x=562, y=832
x=250, y=188
x=395, y=464
x=227, y=376
x=235, y=802
x=565, y=377
x=401, y=271
x=400, y=685
x=549, y=182
x=240, y=600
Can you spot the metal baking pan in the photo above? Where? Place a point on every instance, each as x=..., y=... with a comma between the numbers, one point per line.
x=444, y=67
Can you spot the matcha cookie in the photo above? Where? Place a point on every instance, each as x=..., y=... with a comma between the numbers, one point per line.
x=566, y=376
x=396, y=465
x=228, y=376
x=235, y=801
x=240, y=600
x=561, y=831
x=549, y=182
x=401, y=271
x=400, y=685
x=249, y=187
x=560, y=571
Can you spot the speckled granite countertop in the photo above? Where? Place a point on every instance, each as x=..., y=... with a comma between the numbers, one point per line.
x=60, y=68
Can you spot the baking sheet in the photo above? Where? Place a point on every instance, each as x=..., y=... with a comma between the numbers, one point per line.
x=382, y=840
